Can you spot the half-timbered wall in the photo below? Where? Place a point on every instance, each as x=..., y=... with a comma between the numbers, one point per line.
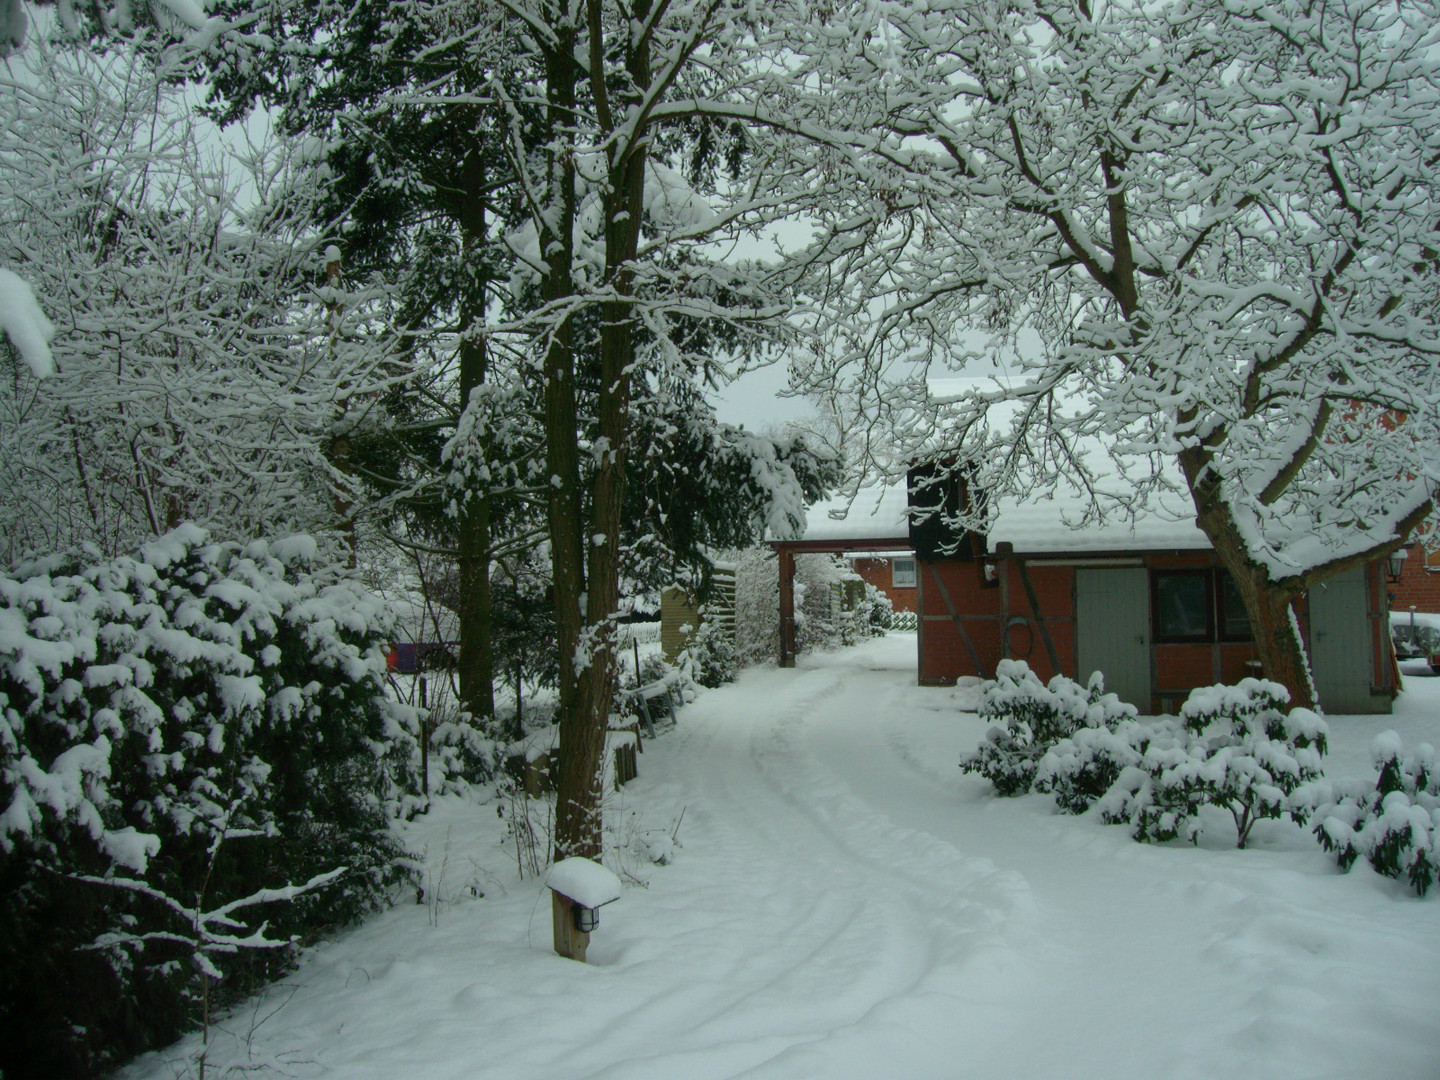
x=1025, y=609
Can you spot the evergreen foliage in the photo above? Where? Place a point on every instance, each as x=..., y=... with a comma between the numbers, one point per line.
x=709, y=657
x=1082, y=767
x=181, y=728
x=1031, y=718
x=1236, y=748
x=1393, y=820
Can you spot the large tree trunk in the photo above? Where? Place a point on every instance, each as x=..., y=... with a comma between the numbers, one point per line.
x=577, y=784
x=1283, y=657
x=477, y=653
x=585, y=717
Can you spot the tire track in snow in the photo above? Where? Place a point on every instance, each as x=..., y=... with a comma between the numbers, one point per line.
x=873, y=939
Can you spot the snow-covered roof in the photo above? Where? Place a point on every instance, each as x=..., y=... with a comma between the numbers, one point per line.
x=875, y=513
x=1053, y=524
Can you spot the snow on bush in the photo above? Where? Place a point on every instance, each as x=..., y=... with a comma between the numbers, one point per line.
x=190, y=724
x=757, y=605
x=1393, y=820
x=870, y=614
x=1081, y=768
x=1234, y=747
x=1031, y=718
x=709, y=657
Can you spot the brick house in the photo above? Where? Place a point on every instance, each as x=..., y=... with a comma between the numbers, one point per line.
x=1145, y=601
x=893, y=573
x=1419, y=584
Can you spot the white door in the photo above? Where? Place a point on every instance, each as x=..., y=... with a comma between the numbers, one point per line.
x=1112, y=630
x=1341, y=653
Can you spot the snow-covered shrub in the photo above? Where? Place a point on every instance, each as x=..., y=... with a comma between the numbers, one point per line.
x=1031, y=718
x=1080, y=769
x=461, y=755
x=1393, y=820
x=757, y=605
x=877, y=610
x=709, y=655
x=1236, y=748
x=870, y=612
x=194, y=722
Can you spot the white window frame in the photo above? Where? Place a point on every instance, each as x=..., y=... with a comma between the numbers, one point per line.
x=902, y=577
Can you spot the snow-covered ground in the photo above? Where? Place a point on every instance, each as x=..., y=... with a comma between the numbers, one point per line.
x=845, y=903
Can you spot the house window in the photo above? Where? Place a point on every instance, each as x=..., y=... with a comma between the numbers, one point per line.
x=902, y=573
x=1197, y=606
x=1232, y=618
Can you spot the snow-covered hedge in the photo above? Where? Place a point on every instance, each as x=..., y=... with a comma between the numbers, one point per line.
x=1234, y=747
x=1392, y=819
x=179, y=729
x=1031, y=717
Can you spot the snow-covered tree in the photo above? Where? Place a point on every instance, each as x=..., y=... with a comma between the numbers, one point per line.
x=198, y=365
x=621, y=184
x=1202, y=235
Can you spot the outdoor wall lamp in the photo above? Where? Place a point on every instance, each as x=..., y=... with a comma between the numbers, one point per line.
x=1395, y=564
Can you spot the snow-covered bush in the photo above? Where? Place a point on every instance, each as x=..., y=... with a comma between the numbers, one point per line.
x=1080, y=769
x=1235, y=747
x=1031, y=718
x=187, y=725
x=709, y=655
x=757, y=605
x=1393, y=820
x=870, y=613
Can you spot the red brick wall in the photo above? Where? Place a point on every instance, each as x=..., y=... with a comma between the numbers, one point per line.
x=943, y=655
x=877, y=573
x=1235, y=661
x=1419, y=583
x=1178, y=668
x=1055, y=594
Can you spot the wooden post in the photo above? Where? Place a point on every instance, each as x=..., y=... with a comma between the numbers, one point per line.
x=787, y=608
x=1003, y=551
x=569, y=942
x=424, y=743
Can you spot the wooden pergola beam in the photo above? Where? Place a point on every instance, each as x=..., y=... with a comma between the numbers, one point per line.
x=788, y=549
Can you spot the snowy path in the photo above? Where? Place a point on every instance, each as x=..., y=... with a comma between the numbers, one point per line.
x=848, y=905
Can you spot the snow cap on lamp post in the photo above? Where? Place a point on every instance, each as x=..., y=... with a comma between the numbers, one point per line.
x=587, y=885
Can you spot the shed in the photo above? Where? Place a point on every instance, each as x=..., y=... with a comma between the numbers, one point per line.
x=1143, y=599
